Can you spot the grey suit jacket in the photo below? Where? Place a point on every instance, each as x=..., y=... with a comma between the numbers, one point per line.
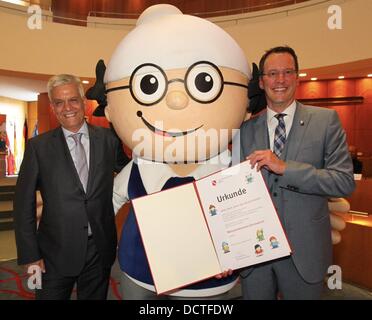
x=61, y=238
x=318, y=166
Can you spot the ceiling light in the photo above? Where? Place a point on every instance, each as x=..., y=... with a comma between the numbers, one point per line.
x=85, y=81
x=314, y=79
x=369, y=75
x=341, y=77
x=304, y=74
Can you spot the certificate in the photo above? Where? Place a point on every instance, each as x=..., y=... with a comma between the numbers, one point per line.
x=241, y=217
x=198, y=230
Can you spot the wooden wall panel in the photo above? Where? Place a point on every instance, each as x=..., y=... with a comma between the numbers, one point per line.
x=312, y=89
x=347, y=117
x=193, y=6
x=71, y=9
x=364, y=116
x=341, y=88
x=363, y=87
x=351, y=138
x=43, y=112
x=215, y=6
x=363, y=141
x=80, y=9
x=344, y=88
x=355, y=119
x=53, y=122
x=352, y=254
x=109, y=6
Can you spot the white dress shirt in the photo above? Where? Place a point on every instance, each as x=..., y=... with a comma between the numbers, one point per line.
x=84, y=140
x=272, y=122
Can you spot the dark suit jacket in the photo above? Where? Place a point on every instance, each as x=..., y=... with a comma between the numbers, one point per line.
x=61, y=238
x=318, y=167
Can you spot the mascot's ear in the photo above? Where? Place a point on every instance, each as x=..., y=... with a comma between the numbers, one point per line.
x=97, y=92
x=256, y=95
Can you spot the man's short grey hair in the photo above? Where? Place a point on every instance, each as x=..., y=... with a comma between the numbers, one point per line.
x=62, y=79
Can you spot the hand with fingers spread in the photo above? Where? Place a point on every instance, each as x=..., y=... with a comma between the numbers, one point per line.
x=268, y=160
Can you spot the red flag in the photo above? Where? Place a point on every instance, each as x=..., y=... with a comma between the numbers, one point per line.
x=25, y=131
x=9, y=158
x=15, y=148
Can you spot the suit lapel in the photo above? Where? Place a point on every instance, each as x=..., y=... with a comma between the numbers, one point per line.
x=94, y=153
x=261, y=138
x=301, y=120
x=62, y=152
x=260, y=133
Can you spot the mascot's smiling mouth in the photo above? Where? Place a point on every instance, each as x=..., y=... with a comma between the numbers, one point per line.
x=164, y=133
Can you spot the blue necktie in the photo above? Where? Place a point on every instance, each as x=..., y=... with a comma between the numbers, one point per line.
x=280, y=135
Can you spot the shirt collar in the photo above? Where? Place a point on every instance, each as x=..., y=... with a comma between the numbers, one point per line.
x=154, y=174
x=83, y=130
x=289, y=111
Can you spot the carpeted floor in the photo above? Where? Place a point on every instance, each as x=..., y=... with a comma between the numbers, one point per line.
x=13, y=283
x=13, y=286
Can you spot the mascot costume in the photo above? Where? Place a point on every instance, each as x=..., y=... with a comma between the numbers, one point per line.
x=171, y=81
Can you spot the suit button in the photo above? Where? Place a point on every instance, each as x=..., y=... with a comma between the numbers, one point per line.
x=275, y=194
x=276, y=180
x=85, y=201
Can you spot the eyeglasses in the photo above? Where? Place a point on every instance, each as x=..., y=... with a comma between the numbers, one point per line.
x=274, y=74
x=73, y=102
x=148, y=83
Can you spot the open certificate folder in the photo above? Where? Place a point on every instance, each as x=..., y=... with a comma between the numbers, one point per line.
x=198, y=230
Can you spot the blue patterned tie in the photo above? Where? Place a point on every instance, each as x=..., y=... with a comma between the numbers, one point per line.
x=280, y=135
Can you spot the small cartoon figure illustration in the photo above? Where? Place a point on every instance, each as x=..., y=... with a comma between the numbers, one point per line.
x=212, y=210
x=225, y=247
x=260, y=235
x=258, y=249
x=274, y=242
x=249, y=178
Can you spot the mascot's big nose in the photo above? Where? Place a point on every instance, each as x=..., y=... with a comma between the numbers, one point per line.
x=177, y=100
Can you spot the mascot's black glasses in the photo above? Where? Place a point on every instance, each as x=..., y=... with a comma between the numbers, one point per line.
x=148, y=83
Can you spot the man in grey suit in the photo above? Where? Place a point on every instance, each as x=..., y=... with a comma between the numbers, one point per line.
x=73, y=167
x=303, y=155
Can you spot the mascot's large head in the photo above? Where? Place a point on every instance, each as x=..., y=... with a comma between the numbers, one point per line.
x=176, y=86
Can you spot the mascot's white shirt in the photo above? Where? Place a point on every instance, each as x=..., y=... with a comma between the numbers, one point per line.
x=154, y=175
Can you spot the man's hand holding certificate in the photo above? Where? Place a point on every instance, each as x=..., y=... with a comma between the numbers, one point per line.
x=223, y=221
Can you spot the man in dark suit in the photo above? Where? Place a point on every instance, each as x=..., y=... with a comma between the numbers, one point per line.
x=73, y=167
x=304, y=158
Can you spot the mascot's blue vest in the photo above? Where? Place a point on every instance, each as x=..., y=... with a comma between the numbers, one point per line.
x=131, y=254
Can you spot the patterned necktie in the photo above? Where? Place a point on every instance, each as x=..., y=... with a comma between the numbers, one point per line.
x=81, y=163
x=280, y=135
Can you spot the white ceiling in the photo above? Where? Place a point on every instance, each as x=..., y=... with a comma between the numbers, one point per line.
x=21, y=88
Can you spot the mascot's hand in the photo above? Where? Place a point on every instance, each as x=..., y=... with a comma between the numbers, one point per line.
x=98, y=91
x=256, y=95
